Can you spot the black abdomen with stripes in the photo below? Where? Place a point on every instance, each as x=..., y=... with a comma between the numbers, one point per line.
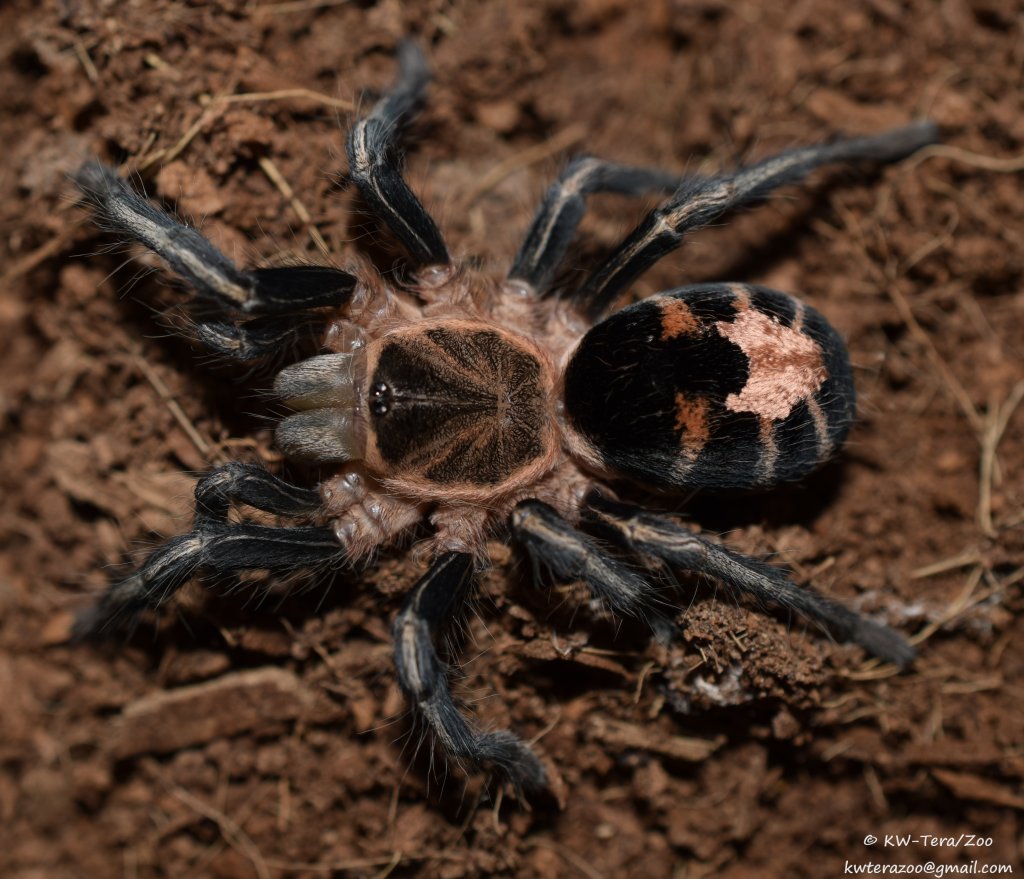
x=457, y=405
x=719, y=386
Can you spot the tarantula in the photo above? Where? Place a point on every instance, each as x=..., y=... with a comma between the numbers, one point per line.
x=482, y=407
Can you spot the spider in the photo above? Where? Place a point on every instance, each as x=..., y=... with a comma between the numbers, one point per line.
x=477, y=407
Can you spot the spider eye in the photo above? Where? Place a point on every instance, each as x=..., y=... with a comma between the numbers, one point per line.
x=380, y=399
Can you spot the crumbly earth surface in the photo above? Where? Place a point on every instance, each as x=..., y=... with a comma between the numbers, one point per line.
x=253, y=736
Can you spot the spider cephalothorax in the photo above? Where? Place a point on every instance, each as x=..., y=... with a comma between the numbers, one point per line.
x=484, y=408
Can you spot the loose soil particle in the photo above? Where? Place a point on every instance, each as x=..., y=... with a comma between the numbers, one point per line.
x=268, y=739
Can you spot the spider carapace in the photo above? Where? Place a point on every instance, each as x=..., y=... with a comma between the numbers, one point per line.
x=475, y=408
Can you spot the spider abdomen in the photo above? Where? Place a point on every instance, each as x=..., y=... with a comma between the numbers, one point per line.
x=459, y=403
x=720, y=386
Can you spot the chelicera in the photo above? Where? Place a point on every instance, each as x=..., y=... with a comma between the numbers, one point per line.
x=517, y=407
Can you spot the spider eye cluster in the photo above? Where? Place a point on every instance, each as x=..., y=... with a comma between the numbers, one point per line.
x=380, y=398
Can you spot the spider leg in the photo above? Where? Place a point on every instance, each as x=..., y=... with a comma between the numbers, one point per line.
x=561, y=210
x=214, y=277
x=433, y=603
x=258, y=338
x=251, y=484
x=661, y=536
x=219, y=545
x=571, y=555
x=375, y=169
x=700, y=200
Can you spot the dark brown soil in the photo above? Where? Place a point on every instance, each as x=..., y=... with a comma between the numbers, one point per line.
x=245, y=739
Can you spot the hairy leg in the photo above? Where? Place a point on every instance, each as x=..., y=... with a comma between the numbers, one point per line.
x=435, y=601
x=662, y=537
x=275, y=337
x=220, y=546
x=375, y=169
x=561, y=210
x=213, y=276
x=701, y=200
x=571, y=555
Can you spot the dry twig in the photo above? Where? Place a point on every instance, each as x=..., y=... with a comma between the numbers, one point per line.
x=274, y=175
x=538, y=153
x=204, y=446
x=233, y=834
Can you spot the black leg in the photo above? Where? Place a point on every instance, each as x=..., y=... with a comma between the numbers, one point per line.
x=560, y=212
x=435, y=601
x=218, y=545
x=213, y=276
x=700, y=200
x=253, y=485
x=570, y=555
x=663, y=538
x=374, y=167
x=260, y=338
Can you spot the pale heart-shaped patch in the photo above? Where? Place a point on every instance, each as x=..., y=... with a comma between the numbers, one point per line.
x=785, y=366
